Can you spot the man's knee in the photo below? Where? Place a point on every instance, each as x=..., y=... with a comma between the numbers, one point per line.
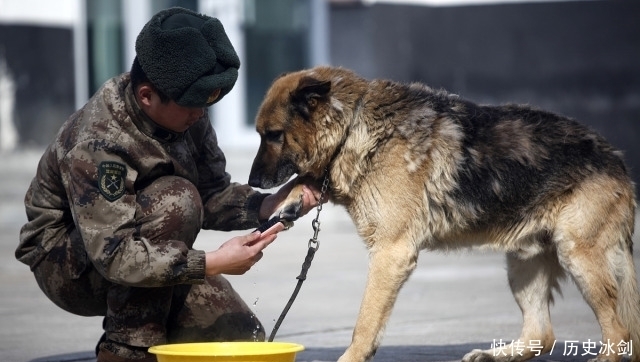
x=214, y=312
x=170, y=208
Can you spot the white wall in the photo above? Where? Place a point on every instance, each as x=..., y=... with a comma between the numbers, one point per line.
x=58, y=13
x=46, y=12
x=230, y=113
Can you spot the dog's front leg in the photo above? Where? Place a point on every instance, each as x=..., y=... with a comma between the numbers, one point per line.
x=389, y=267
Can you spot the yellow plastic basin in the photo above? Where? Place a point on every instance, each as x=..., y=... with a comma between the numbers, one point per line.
x=227, y=351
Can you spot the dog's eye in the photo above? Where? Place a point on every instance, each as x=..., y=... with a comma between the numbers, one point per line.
x=274, y=136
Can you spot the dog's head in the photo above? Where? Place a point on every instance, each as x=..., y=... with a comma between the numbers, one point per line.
x=295, y=123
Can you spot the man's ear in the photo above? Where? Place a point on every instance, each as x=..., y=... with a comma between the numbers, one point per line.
x=309, y=93
x=144, y=94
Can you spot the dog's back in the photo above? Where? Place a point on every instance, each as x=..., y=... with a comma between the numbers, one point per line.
x=517, y=161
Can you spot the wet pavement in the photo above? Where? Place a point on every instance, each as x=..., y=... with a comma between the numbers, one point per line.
x=453, y=303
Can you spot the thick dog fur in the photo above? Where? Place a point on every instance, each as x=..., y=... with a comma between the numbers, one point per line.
x=423, y=169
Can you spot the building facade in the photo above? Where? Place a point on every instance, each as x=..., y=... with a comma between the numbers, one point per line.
x=55, y=54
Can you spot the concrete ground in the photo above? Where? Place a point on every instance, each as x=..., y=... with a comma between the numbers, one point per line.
x=454, y=302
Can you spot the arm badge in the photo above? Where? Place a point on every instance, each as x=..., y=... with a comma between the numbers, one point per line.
x=111, y=177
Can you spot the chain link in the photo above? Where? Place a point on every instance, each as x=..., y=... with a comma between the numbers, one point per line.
x=314, y=242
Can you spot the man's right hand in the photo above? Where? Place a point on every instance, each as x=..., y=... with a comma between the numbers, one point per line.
x=240, y=253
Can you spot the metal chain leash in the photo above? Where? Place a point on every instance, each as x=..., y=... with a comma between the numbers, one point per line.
x=314, y=244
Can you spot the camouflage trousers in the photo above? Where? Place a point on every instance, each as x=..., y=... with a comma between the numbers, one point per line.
x=143, y=317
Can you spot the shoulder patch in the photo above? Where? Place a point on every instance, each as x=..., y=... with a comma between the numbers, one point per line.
x=111, y=177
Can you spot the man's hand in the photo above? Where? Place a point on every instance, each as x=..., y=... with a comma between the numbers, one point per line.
x=239, y=254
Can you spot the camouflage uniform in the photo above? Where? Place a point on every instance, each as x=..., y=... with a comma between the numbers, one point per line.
x=113, y=212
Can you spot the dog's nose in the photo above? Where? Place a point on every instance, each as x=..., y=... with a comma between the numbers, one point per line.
x=254, y=179
x=254, y=182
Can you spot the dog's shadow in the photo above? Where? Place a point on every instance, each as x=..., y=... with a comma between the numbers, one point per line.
x=430, y=353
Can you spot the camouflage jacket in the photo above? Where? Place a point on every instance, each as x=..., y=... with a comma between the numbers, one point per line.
x=112, y=134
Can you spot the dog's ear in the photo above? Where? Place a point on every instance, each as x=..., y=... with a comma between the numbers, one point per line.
x=309, y=93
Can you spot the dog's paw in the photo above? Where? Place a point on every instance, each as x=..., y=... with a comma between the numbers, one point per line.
x=291, y=208
x=601, y=359
x=290, y=212
x=478, y=355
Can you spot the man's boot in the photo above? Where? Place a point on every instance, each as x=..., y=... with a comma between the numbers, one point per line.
x=107, y=353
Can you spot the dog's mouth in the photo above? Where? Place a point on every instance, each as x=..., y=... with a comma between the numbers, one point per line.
x=262, y=183
x=269, y=177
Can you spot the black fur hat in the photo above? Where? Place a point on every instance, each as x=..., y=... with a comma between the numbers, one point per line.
x=188, y=56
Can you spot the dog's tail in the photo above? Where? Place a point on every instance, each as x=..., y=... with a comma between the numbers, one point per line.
x=628, y=298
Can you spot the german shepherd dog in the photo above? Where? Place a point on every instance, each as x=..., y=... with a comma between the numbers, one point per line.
x=418, y=168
